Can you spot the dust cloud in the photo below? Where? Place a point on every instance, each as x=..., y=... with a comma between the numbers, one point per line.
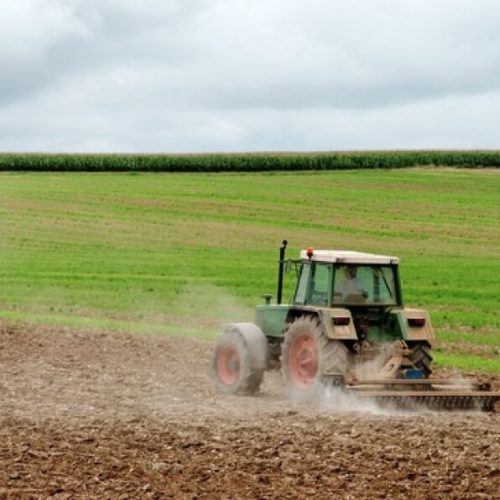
x=204, y=308
x=370, y=369
x=325, y=399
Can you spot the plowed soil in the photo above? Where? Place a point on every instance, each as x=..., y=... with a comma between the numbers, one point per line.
x=94, y=414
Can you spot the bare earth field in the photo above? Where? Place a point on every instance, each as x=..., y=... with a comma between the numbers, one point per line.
x=94, y=414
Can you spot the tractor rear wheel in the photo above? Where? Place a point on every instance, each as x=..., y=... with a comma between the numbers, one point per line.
x=421, y=357
x=307, y=353
x=239, y=359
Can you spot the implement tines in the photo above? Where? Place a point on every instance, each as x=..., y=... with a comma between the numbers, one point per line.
x=434, y=402
x=401, y=394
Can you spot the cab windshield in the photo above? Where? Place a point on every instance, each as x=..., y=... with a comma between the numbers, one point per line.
x=364, y=284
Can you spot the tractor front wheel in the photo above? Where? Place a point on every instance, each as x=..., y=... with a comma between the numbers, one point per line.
x=239, y=359
x=307, y=353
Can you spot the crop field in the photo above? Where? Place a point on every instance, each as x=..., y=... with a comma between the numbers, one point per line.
x=181, y=253
x=246, y=162
x=113, y=286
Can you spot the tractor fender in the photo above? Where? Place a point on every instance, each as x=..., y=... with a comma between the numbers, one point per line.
x=337, y=323
x=415, y=325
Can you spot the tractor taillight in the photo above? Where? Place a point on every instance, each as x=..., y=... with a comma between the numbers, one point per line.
x=416, y=322
x=341, y=321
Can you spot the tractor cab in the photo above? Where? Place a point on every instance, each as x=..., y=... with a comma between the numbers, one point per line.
x=357, y=288
x=331, y=278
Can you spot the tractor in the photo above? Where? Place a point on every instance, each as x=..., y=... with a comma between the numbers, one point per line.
x=347, y=327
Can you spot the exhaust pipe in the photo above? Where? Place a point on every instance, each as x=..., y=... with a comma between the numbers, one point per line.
x=281, y=266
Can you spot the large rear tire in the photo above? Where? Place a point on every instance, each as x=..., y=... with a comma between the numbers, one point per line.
x=239, y=359
x=421, y=357
x=307, y=354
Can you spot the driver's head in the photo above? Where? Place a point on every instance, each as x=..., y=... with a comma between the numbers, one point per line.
x=351, y=272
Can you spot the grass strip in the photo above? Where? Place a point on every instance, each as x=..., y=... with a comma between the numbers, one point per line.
x=80, y=322
x=466, y=362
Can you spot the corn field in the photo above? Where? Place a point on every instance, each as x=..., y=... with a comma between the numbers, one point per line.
x=245, y=162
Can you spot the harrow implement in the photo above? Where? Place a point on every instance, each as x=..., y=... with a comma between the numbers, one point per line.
x=413, y=394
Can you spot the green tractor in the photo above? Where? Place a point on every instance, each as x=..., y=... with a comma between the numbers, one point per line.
x=346, y=320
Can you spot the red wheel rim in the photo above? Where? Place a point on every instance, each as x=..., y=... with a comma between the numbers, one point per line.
x=303, y=361
x=228, y=365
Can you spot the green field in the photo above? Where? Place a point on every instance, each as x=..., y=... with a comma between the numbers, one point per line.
x=181, y=253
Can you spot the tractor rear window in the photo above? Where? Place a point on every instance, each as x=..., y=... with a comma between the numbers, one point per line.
x=364, y=284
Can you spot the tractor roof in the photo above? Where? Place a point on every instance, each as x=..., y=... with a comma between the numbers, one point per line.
x=349, y=257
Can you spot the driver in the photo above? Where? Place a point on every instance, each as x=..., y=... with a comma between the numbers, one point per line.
x=350, y=284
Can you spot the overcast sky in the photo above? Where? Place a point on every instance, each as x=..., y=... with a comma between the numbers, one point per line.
x=253, y=75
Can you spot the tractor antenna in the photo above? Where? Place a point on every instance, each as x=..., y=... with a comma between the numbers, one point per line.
x=281, y=265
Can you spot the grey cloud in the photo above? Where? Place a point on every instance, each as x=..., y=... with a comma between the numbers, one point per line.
x=228, y=74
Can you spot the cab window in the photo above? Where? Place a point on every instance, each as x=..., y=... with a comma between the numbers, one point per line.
x=366, y=284
x=300, y=293
x=320, y=284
